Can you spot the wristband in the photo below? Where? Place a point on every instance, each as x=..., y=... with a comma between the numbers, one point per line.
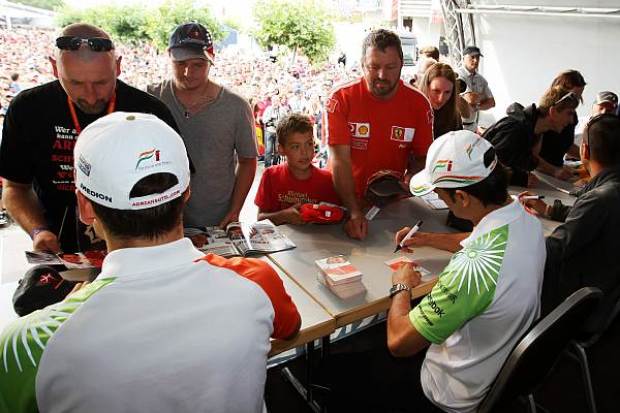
x=37, y=230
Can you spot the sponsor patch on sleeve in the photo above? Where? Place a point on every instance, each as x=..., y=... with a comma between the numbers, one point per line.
x=360, y=130
x=330, y=105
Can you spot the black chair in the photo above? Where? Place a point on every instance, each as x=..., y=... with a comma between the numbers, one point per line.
x=602, y=318
x=535, y=354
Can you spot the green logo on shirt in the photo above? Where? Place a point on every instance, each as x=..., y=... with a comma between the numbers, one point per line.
x=449, y=305
x=478, y=263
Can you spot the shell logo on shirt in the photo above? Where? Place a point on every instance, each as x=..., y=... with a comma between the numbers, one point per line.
x=360, y=130
x=401, y=134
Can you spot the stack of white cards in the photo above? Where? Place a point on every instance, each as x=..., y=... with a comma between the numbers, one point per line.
x=340, y=276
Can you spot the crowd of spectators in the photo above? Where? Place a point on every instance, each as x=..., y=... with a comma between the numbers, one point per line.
x=256, y=76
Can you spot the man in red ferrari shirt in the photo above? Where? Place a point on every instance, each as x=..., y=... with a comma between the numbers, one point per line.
x=375, y=122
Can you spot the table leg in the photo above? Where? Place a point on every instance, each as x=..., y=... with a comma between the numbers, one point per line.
x=308, y=392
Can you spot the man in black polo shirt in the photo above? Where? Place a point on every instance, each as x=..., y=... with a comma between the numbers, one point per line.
x=583, y=251
x=42, y=126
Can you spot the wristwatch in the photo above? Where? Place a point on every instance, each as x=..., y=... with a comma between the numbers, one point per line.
x=396, y=288
x=36, y=231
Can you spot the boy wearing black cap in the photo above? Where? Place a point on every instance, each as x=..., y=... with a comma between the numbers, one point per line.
x=217, y=127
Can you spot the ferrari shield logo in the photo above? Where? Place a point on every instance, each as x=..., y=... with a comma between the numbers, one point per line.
x=401, y=134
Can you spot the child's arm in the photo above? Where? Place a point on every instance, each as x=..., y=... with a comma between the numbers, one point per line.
x=289, y=215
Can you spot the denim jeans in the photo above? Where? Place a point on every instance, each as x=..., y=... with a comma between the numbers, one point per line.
x=270, y=148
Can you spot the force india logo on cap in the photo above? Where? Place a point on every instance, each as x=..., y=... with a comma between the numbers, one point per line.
x=470, y=147
x=443, y=164
x=144, y=156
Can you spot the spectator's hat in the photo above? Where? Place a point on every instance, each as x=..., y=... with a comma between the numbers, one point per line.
x=472, y=51
x=41, y=286
x=606, y=97
x=455, y=160
x=191, y=41
x=118, y=150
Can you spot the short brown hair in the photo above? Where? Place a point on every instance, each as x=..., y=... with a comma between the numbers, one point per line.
x=382, y=39
x=601, y=135
x=430, y=51
x=293, y=123
x=557, y=96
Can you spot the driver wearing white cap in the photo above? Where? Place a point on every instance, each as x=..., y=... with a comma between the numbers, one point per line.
x=489, y=293
x=163, y=328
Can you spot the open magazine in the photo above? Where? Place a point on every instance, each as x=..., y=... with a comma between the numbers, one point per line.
x=262, y=237
x=76, y=260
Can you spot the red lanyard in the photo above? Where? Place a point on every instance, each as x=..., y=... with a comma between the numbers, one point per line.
x=76, y=122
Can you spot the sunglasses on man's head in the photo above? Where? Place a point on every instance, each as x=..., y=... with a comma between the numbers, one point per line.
x=96, y=44
x=569, y=97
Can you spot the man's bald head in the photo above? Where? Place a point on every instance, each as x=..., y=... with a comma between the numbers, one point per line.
x=84, y=31
x=88, y=77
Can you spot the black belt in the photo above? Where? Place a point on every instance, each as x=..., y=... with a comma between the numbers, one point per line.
x=468, y=123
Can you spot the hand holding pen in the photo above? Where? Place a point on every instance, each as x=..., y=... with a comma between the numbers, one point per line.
x=401, y=241
x=534, y=203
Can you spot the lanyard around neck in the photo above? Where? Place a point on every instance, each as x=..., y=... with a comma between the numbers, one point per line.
x=76, y=122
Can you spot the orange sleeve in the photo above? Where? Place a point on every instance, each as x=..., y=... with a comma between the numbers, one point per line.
x=336, y=125
x=287, y=320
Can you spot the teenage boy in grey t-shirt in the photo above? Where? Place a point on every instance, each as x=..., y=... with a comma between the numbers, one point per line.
x=216, y=125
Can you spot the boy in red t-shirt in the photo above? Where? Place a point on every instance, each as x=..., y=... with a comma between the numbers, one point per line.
x=285, y=187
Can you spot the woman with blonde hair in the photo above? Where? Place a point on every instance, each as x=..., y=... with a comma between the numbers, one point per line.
x=440, y=86
x=555, y=145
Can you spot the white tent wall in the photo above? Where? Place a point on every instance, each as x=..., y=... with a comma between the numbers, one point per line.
x=523, y=53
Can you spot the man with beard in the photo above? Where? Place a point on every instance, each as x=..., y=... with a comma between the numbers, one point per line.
x=373, y=123
x=41, y=128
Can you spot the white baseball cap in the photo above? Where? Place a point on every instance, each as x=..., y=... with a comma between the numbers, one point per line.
x=116, y=151
x=454, y=160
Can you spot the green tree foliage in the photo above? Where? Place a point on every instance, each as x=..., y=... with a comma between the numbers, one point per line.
x=137, y=23
x=42, y=4
x=163, y=20
x=126, y=23
x=298, y=25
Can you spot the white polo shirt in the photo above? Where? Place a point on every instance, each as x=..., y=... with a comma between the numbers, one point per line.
x=483, y=302
x=162, y=329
